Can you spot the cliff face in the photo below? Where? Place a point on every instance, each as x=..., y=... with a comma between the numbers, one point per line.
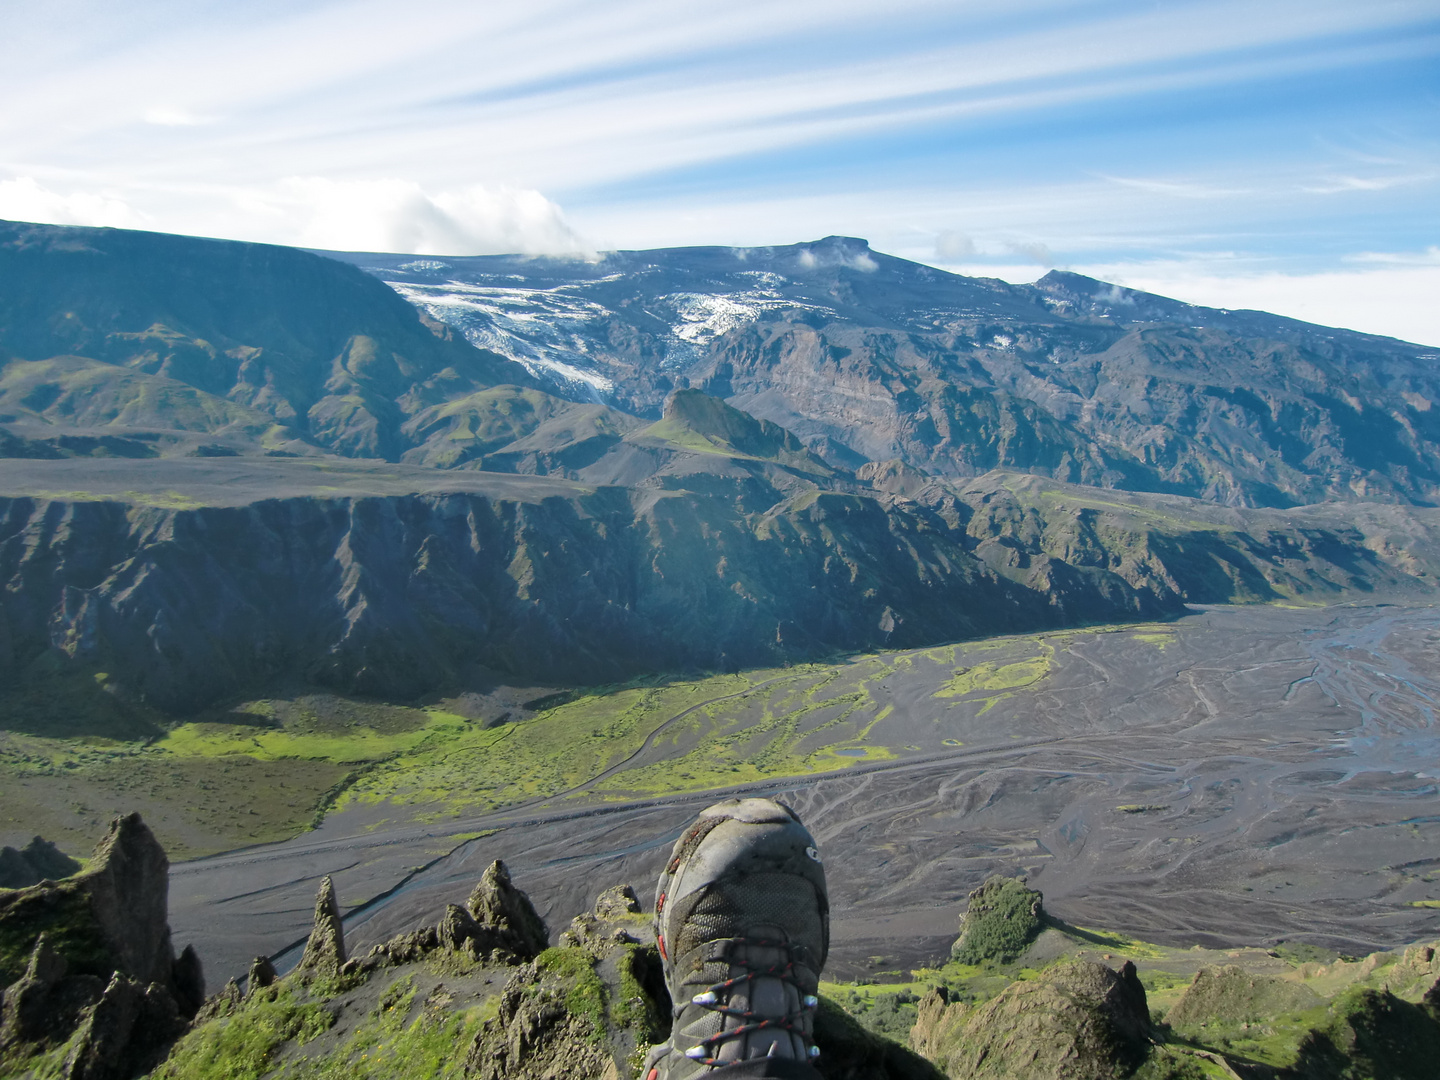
x=396, y=595
x=567, y=542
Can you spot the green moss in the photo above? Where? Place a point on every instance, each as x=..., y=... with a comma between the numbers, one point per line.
x=1296, y=953
x=635, y=1007
x=1372, y=1035
x=61, y=913
x=1173, y=1063
x=586, y=997
x=356, y=744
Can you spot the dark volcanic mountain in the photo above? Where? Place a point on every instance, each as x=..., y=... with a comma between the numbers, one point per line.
x=869, y=357
x=224, y=466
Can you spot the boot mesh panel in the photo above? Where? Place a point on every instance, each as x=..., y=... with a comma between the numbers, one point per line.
x=782, y=901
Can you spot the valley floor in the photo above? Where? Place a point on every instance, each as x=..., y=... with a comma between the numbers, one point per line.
x=1239, y=777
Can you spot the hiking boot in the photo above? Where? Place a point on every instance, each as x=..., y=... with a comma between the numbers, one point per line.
x=742, y=921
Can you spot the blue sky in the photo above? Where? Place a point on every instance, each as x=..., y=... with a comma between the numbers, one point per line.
x=1272, y=153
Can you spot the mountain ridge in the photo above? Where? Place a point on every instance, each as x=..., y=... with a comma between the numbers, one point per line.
x=868, y=357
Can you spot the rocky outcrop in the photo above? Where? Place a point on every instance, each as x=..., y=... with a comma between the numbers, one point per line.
x=40, y=860
x=534, y=1035
x=112, y=917
x=129, y=885
x=102, y=978
x=325, y=949
x=617, y=902
x=1078, y=1021
x=123, y=1034
x=505, y=919
x=27, y=1013
x=1232, y=994
x=262, y=974
x=1002, y=918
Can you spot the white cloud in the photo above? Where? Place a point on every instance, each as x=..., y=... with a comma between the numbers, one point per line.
x=951, y=245
x=344, y=215
x=1343, y=184
x=25, y=199
x=1394, y=301
x=1032, y=250
x=1180, y=189
x=168, y=116
x=400, y=216
x=1429, y=257
x=839, y=255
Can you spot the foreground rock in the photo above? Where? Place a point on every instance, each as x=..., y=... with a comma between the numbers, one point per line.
x=480, y=995
x=101, y=991
x=1075, y=1022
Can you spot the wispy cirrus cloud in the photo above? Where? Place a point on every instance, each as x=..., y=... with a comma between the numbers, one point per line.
x=1057, y=132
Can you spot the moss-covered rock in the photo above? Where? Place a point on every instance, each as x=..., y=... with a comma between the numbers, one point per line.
x=1003, y=918
x=1079, y=1021
x=1232, y=994
x=1372, y=1035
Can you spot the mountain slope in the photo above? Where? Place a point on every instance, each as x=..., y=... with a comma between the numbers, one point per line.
x=246, y=341
x=869, y=357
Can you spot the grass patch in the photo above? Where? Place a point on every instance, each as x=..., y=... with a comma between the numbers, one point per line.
x=387, y=1043
x=357, y=744
x=242, y=1046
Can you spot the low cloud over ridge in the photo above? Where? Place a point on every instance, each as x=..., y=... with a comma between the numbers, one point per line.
x=390, y=215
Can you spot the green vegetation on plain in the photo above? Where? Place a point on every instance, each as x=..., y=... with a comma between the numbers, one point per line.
x=263, y=770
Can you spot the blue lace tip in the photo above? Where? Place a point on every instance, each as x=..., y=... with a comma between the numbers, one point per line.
x=696, y=1052
x=814, y=1051
x=707, y=998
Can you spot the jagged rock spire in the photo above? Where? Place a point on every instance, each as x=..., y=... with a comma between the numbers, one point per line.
x=455, y=927
x=262, y=974
x=325, y=950
x=24, y=1007
x=189, y=982
x=507, y=914
x=129, y=885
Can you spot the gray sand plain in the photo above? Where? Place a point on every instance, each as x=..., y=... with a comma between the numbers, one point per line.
x=1245, y=775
